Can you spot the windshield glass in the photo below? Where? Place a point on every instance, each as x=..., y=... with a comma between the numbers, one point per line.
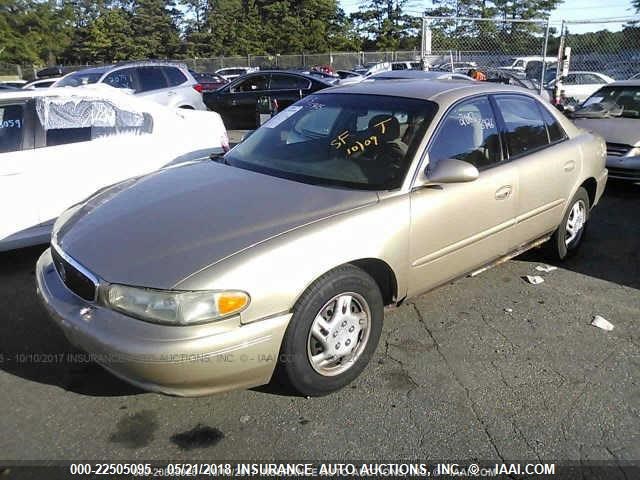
x=612, y=101
x=341, y=140
x=78, y=79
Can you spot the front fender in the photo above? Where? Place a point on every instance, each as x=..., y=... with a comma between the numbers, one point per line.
x=276, y=272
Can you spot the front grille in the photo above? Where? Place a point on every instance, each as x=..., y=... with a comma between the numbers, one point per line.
x=75, y=280
x=624, y=173
x=617, y=149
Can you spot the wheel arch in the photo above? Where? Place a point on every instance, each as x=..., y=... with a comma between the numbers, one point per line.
x=591, y=186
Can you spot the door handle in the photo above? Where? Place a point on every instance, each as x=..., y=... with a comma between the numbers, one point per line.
x=171, y=92
x=503, y=192
x=234, y=102
x=569, y=166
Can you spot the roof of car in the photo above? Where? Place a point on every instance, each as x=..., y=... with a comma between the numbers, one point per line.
x=635, y=82
x=310, y=76
x=441, y=91
x=407, y=74
x=141, y=63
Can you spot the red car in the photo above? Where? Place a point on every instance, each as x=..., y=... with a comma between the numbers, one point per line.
x=209, y=81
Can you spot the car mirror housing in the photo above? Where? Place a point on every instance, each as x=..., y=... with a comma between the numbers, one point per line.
x=452, y=170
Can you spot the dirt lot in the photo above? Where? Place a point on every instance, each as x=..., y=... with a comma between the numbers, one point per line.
x=487, y=367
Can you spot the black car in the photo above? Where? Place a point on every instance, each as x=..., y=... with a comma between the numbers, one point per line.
x=237, y=102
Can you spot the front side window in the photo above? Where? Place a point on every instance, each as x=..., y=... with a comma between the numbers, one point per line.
x=469, y=132
x=353, y=141
x=11, y=128
x=151, y=78
x=525, y=129
x=124, y=78
x=256, y=83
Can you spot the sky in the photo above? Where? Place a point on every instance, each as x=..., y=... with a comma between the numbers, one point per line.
x=568, y=10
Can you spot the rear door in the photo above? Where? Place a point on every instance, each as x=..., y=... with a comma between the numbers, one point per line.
x=154, y=85
x=547, y=163
x=18, y=168
x=458, y=227
x=287, y=89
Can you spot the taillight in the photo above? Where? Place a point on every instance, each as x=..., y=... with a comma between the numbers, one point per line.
x=198, y=88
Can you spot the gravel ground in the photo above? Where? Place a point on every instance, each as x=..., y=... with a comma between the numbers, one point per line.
x=487, y=367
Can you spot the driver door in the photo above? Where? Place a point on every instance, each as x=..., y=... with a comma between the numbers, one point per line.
x=458, y=227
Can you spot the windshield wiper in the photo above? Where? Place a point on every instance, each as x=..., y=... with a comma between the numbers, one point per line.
x=219, y=157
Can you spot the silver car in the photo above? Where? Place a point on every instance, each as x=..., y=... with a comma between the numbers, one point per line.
x=614, y=112
x=284, y=252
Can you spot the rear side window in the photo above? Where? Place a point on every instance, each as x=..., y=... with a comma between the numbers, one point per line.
x=525, y=129
x=556, y=133
x=288, y=82
x=174, y=76
x=11, y=128
x=469, y=132
x=124, y=78
x=151, y=78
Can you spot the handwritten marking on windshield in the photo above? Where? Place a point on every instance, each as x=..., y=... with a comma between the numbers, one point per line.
x=382, y=125
x=360, y=146
x=340, y=140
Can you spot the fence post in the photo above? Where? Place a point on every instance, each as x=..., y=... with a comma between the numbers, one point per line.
x=558, y=85
x=544, y=57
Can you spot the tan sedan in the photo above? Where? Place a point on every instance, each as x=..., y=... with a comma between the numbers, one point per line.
x=284, y=252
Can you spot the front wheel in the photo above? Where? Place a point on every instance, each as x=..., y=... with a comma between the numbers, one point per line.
x=333, y=333
x=568, y=237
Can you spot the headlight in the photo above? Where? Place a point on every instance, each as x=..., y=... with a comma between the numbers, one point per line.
x=634, y=152
x=176, y=307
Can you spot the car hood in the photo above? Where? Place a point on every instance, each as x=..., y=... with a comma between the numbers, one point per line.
x=614, y=130
x=157, y=230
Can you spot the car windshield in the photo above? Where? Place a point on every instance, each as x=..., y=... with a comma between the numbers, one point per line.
x=77, y=79
x=612, y=101
x=340, y=140
x=508, y=62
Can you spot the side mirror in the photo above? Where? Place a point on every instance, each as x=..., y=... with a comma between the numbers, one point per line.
x=452, y=170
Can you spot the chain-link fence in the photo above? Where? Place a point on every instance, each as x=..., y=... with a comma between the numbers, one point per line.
x=606, y=46
x=516, y=47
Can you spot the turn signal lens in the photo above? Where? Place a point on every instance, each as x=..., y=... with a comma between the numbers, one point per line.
x=231, y=302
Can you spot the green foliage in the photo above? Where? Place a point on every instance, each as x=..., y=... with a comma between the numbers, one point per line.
x=103, y=31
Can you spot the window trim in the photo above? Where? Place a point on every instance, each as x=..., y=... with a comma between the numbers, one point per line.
x=503, y=129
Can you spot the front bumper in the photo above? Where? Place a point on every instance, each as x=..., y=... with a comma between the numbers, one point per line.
x=176, y=360
x=624, y=168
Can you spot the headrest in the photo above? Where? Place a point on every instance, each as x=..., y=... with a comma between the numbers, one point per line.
x=388, y=123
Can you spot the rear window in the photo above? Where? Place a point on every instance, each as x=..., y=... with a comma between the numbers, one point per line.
x=11, y=128
x=288, y=82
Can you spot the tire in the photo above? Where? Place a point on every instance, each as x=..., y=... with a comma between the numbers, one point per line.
x=565, y=242
x=355, y=332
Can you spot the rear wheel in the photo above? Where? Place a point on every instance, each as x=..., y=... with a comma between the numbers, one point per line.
x=333, y=333
x=568, y=237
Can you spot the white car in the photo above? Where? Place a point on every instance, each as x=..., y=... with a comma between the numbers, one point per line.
x=581, y=85
x=42, y=83
x=231, y=73
x=166, y=83
x=59, y=145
